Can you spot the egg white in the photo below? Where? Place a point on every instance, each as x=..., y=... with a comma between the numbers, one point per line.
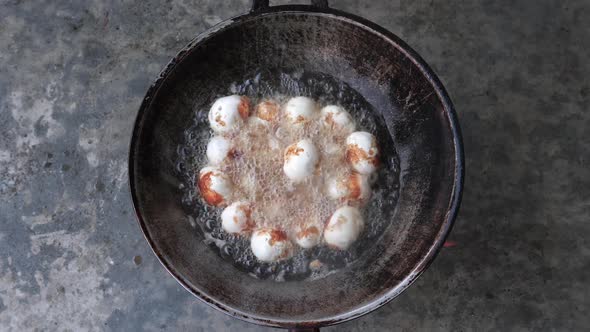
x=365, y=162
x=351, y=187
x=336, y=117
x=344, y=227
x=224, y=115
x=308, y=236
x=219, y=186
x=300, y=110
x=218, y=149
x=300, y=160
x=267, y=248
x=236, y=218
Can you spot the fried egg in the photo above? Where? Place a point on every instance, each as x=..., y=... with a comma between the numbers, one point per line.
x=267, y=110
x=237, y=218
x=228, y=113
x=307, y=236
x=300, y=110
x=215, y=186
x=353, y=187
x=344, y=227
x=362, y=152
x=335, y=117
x=270, y=245
x=300, y=160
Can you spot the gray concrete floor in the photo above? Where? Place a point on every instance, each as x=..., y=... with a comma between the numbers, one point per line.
x=72, y=76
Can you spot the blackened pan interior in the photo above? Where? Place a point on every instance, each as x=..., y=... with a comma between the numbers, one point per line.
x=411, y=104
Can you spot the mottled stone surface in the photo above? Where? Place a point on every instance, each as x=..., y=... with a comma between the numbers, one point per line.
x=72, y=76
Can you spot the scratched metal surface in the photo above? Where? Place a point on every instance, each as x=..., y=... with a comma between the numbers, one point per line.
x=72, y=76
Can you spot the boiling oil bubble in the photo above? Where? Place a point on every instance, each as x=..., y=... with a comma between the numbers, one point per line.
x=255, y=166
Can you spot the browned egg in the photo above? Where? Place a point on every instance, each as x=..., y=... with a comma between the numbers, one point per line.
x=362, y=152
x=353, y=187
x=229, y=113
x=215, y=186
x=268, y=110
x=286, y=175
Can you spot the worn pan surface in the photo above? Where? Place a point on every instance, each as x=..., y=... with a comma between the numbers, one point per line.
x=409, y=100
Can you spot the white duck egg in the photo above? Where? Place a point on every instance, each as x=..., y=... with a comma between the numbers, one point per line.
x=236, y=218
x=215, y=186
x=301, y=160
x=352, y=187
x=218, y=149
x=336, y=117
x=362, y=152
x=228, y=113
x=344, y=227
x=300, y=110
x=270, y=245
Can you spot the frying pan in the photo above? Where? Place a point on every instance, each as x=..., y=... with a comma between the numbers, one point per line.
x=405, y=95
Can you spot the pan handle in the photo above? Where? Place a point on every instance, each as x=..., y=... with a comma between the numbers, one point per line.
x=313, y=329
x=263, y=4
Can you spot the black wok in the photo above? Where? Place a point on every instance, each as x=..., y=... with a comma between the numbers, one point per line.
x=409, y=101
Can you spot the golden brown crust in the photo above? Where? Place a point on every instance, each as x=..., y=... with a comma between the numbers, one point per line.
x=244, y=107
x=267, y=110
x=307, y=232
x=354, y=187
x=329, y=119
x=355, y=154
x=276, y=236
x=300, y=119
x=292, y=150
x=250, y=224
x=218, y=120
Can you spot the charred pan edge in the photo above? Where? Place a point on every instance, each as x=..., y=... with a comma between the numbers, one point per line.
x=454, y=202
